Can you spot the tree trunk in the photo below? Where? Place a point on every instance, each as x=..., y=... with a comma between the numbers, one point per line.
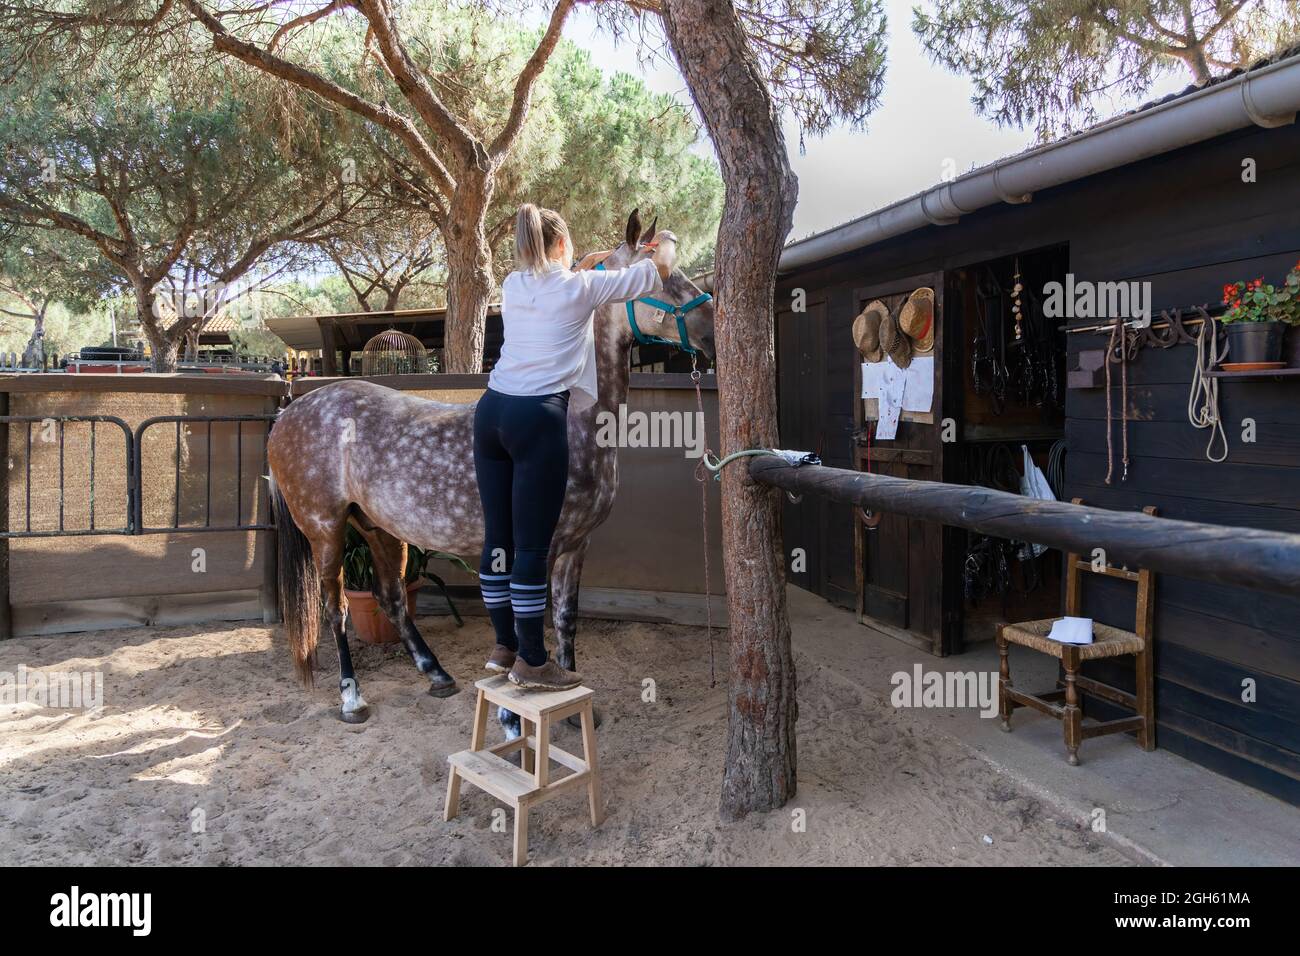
x=1199, y=65
x=165, y=349
x=728, y=88
x=34, y=353
x=469, y=275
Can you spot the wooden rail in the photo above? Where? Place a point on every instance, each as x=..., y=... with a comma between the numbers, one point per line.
x=1243, y=557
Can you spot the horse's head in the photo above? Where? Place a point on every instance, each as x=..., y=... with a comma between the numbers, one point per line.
x=678, y=291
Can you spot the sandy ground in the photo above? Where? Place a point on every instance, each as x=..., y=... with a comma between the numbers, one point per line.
x=203, y=725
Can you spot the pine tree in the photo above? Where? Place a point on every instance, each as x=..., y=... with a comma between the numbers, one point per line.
x=1054, y=63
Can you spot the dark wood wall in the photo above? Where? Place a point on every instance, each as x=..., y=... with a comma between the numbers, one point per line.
x=1188, y=223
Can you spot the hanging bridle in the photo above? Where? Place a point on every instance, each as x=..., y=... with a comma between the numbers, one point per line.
x=679, y=312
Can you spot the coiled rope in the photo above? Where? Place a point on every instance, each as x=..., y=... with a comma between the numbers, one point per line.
x=1056, y=468
x=1203, y=400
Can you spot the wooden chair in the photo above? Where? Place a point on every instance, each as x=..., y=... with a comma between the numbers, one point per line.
x=1107, y=642
x=523, y=787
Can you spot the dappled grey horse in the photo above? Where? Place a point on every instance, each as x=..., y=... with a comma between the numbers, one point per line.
x=401, y=469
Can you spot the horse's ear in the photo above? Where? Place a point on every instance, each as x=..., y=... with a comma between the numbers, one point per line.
x=654, y=229
x=633, y=229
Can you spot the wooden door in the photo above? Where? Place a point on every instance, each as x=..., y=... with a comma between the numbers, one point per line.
x=903, y=565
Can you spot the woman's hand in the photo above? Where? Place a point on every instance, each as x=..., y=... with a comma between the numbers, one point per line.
x=593, y=259
x=665, y=253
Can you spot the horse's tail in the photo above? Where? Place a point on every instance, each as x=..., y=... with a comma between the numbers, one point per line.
x=299, y=587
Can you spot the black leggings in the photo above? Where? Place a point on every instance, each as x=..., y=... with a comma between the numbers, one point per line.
x=521, y=456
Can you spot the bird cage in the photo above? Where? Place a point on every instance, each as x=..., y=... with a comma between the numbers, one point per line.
x=394, y=353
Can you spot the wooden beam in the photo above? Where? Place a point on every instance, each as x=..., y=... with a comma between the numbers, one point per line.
x=443, y=380
x=433, y=381
x=155, y=383
x=328, y=358
x=1242, y=557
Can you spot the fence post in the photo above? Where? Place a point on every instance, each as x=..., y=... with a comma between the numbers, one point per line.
x=269, y=593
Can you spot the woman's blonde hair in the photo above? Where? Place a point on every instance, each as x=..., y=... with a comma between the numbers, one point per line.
x=536, y=231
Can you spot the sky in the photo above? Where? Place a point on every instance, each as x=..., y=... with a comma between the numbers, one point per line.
x=925, y=118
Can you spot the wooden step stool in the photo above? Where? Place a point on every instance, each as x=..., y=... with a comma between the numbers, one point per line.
x=526, y=786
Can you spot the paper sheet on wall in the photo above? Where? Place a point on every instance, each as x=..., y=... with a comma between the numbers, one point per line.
x=911, y=390
x=919, y=394
x=893, y=382
x=871, y=372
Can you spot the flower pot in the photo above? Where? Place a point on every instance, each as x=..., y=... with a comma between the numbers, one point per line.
x=1254, y=341
x=368, y=619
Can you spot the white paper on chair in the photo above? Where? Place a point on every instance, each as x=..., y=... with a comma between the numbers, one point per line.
x=1072, y=630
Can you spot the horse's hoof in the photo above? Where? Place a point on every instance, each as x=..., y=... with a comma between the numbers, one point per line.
x=443, y=690
x=358, y=716
x=596, y=718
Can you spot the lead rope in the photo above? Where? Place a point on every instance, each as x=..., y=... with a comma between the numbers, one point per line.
x=1123, y=391
x=1203, y=400
x=702, y=476
x=1110, y=419
x=1117, y=334
x=710, y=463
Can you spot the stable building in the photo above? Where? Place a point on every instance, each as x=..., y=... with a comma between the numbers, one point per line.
x=1027, y=259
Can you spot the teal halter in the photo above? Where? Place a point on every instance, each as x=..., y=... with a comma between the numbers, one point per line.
x=679, y=312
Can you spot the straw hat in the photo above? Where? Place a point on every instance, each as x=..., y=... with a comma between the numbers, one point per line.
x=896, y=345
x=916, y=318
x=866, y=331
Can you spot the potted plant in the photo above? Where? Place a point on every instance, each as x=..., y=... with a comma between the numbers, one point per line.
x=1257, y=317
x=369, y=620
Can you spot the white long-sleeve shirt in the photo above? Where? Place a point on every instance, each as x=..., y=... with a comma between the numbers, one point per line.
x=549, y=342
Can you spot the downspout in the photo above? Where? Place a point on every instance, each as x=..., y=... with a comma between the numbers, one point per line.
x=1266, y=97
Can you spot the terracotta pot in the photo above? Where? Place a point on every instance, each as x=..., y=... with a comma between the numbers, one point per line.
x=369, y=622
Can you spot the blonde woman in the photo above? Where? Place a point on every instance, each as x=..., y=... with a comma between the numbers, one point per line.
x=521, y=445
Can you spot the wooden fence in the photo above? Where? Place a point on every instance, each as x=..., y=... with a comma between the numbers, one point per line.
x=198, y=485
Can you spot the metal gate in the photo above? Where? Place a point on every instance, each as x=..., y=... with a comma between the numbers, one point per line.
x=131, y=487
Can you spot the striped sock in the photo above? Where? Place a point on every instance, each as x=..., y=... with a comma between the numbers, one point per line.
x=496, y=598
x=528, y=601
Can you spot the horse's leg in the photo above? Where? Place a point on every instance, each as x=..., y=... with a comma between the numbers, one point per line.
x=510, y=723
x=328, y=549
x=389, y=556
x=566, y=575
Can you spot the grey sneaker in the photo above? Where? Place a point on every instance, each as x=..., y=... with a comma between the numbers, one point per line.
x=501, y=659
x=549, y=676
